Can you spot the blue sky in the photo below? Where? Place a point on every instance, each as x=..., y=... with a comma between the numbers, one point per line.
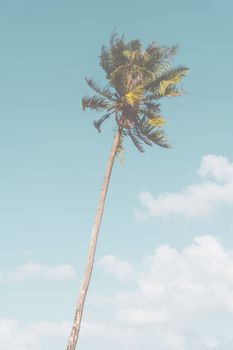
x=51, y=169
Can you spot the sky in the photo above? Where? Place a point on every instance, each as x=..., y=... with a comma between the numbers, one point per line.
x=163, y=275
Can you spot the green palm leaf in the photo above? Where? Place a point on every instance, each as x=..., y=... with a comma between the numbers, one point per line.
x=134, y=96
x=150, y=106
x=167, y=79
x=142, y=137
x=106, y=61
x=153, y=134
x=149, y=112
x=167, y=52
x=136, y=140
x=98, y=123
x=95, y=102
x=117, y=55
x=159, y=57
x=134, y=45
x=105, y=91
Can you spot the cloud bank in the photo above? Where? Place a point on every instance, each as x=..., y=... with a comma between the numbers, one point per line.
x=182, y=300
x=179, y=300
x=198, y=200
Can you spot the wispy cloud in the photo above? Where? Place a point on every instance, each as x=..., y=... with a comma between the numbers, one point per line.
x=38, y=272
x=198, y=200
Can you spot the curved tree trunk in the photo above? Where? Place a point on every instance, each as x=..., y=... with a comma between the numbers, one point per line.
x=92, y=247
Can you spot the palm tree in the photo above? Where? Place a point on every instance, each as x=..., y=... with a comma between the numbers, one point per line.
x=137, y=80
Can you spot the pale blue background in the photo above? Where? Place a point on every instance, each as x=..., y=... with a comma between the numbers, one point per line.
x=52, y=159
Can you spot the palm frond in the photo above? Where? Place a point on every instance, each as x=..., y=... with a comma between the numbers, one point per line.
x=162, y=51
x=159, y=57
x=99, y=122
x=152, y=116
x=95, y=102
x=142, y=137
x=167, y=52
x=156, y=121
x=170, y=77
x=135, y=140
x=172, y=91
x=114, y=38
x=150, y=111
x=124, y=78
x=118, y=58
x=119, y=79
x=134, y=45
x=118, y=71
x=134, y=57
x=136, y=64
x=150, y=106
x=156, y=136
x=105, y=91
x=134, y=96
x=106, y=61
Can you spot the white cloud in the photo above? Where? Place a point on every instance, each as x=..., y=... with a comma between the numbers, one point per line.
x=38, y=272
x=38, y=336
x=141, y=316
x=108, y=335
x=116, y=267
x=178, y=300
x=182, y=299
x=198, y=200
x=54, y=335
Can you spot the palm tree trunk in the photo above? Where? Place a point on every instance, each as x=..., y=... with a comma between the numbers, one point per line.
x=92, y=247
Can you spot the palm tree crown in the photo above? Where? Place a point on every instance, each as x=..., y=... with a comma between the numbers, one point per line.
x=137, y=80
